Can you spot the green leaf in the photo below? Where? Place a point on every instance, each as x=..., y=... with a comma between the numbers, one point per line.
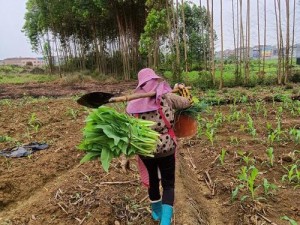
x=89, y=156
x=292, y=222
x=106, y=158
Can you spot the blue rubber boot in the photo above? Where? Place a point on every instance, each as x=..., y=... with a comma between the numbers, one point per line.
x=156, y=207
x=167, y=214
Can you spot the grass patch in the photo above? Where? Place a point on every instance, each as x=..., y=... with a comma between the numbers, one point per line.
x=26, y=78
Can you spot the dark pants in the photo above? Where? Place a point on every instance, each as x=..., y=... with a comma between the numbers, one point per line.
x=166, y=166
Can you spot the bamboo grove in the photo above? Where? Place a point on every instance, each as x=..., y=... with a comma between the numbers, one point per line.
x=117, y=38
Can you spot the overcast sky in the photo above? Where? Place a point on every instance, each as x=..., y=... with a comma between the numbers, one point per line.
x=13, y=42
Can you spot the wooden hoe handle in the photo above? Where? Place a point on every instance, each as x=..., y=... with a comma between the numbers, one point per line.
x=137, y=95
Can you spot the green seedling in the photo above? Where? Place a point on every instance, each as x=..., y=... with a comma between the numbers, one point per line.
x=275, y=135
x=268, y=187
x=265, y=112
x=292, y=222
x=244, y=99
x=247, y=159
x=258, y=105
x=234, y=140
x=218, y=119
x=222, y=156
x=248, y=177
x=279, y=112
x=270, y=154
x=235, y=192
x=251, y=181
x=34, y=122
x=293, y=174
x=295, y=135
x=242, y=127
x=6, y=139
x=250, y=124
x=210, y=133
x=243, y=176
x=235, y=116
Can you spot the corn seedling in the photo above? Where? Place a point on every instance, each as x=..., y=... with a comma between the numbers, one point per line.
x=235, y=192
x=265, y=112
x=234, y=140
x=222, y=156
x=250, y=124
x=210, y=132
x=293, y=174
x=242, y=127
x=295, y=135
x=271, y=138
x=243, y=176
x=251, y=181
x=6, y=139
x=201, y=123
x=218, y=119
x=243, y=99
x=248, y=177
x=268, y=187
x=279, y=112
x=34, y=122
x=258, y=105
x=235, y=116
x=270, y=154
x=275, y=135
x=246, y=157
x=291, y=221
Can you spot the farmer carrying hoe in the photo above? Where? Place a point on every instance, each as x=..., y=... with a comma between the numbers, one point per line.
x=159, y=109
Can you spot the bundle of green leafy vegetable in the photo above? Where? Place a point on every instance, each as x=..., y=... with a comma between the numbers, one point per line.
x=108, y=134
x=194, y=110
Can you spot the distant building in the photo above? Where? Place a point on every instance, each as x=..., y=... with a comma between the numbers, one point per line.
x=298, y=54
x=263, y=51
x=34, y=62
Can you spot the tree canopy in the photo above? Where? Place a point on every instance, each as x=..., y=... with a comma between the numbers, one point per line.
x=114, y=37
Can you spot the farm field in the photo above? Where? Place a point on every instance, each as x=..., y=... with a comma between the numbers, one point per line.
x=242, y=167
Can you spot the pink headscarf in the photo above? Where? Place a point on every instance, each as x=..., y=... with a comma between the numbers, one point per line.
x=148, y=82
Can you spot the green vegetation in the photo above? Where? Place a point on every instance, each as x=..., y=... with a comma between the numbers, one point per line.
x=25, y=78
x=108, y=134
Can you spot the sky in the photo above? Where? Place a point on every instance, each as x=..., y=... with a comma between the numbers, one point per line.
x=14, y=43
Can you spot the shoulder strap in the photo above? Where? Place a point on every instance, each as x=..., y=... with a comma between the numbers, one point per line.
x=168, y=124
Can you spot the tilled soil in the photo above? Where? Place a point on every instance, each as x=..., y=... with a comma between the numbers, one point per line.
x=52, y=187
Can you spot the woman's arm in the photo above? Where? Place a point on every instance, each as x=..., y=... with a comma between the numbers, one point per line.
x=177, y=102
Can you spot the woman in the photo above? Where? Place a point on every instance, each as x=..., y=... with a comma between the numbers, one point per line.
x=160, y=109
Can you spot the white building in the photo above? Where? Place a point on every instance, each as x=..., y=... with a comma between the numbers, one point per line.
x=34, y=62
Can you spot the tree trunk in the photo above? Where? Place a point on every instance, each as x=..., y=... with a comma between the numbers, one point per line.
x=242, y=44
x=184, y=36
x=287, y=45
x=265, y=35
x=293, y=35
x=281, y=42
x=258, y=32
x=222, y=55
